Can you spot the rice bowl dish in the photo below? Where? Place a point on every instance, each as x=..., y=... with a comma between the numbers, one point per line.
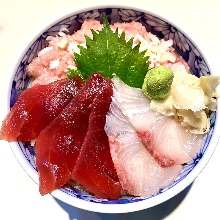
x=193, y=58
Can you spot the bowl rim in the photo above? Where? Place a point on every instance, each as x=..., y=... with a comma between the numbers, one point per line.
x=111, y=208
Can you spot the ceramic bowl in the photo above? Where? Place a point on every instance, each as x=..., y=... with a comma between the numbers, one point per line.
x=158, y=24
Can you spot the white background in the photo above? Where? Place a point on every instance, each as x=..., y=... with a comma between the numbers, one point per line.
x=19, y=196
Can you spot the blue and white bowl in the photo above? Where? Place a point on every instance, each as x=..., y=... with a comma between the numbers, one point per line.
x=184, y=44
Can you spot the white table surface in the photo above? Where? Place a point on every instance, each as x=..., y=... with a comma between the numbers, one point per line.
x=19, y=196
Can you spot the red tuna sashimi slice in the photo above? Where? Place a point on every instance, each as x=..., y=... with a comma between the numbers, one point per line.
x=13, y=122
x=163, y=136
x=58, y=145
x=55, y=99
x=25, y=121
x=94, y=167
x=138, y=172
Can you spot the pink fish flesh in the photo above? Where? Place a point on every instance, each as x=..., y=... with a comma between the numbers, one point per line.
x=163, y=136
x=138, y=172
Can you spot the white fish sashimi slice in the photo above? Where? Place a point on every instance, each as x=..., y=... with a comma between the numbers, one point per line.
x=172, y=144
x=163, y=136
x=134, y=104
x=138, y=172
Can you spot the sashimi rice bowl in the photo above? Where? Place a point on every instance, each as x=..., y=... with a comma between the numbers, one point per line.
x=112, y=108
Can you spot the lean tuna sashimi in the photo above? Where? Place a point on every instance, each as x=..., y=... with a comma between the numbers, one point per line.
x=58, y=145
x=94, y=168
x=138, y=172
x=163, y=136
x=14, y=120
x=36, y=107
x=46, y=109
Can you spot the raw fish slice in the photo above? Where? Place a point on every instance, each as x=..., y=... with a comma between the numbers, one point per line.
x=14, y=120
x=170, y=143
x=138, y=172
x=135, y=105
x=48, y=107
x=52, y=169
x=23, y=121
x=94, y=167
x=165, y=139
x=58, y=145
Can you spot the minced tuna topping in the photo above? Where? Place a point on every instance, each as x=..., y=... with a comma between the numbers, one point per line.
x=52, y=62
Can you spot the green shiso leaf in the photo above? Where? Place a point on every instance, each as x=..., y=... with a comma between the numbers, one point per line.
x=110, y=54
x=73, y=73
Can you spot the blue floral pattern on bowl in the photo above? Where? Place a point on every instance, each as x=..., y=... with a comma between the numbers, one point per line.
x=162, y=29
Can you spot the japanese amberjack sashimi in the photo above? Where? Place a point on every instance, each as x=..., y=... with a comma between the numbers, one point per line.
x=23, y=121
x=58, y=145
x=138, y=172
x=94, y=168
x=163, y=136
